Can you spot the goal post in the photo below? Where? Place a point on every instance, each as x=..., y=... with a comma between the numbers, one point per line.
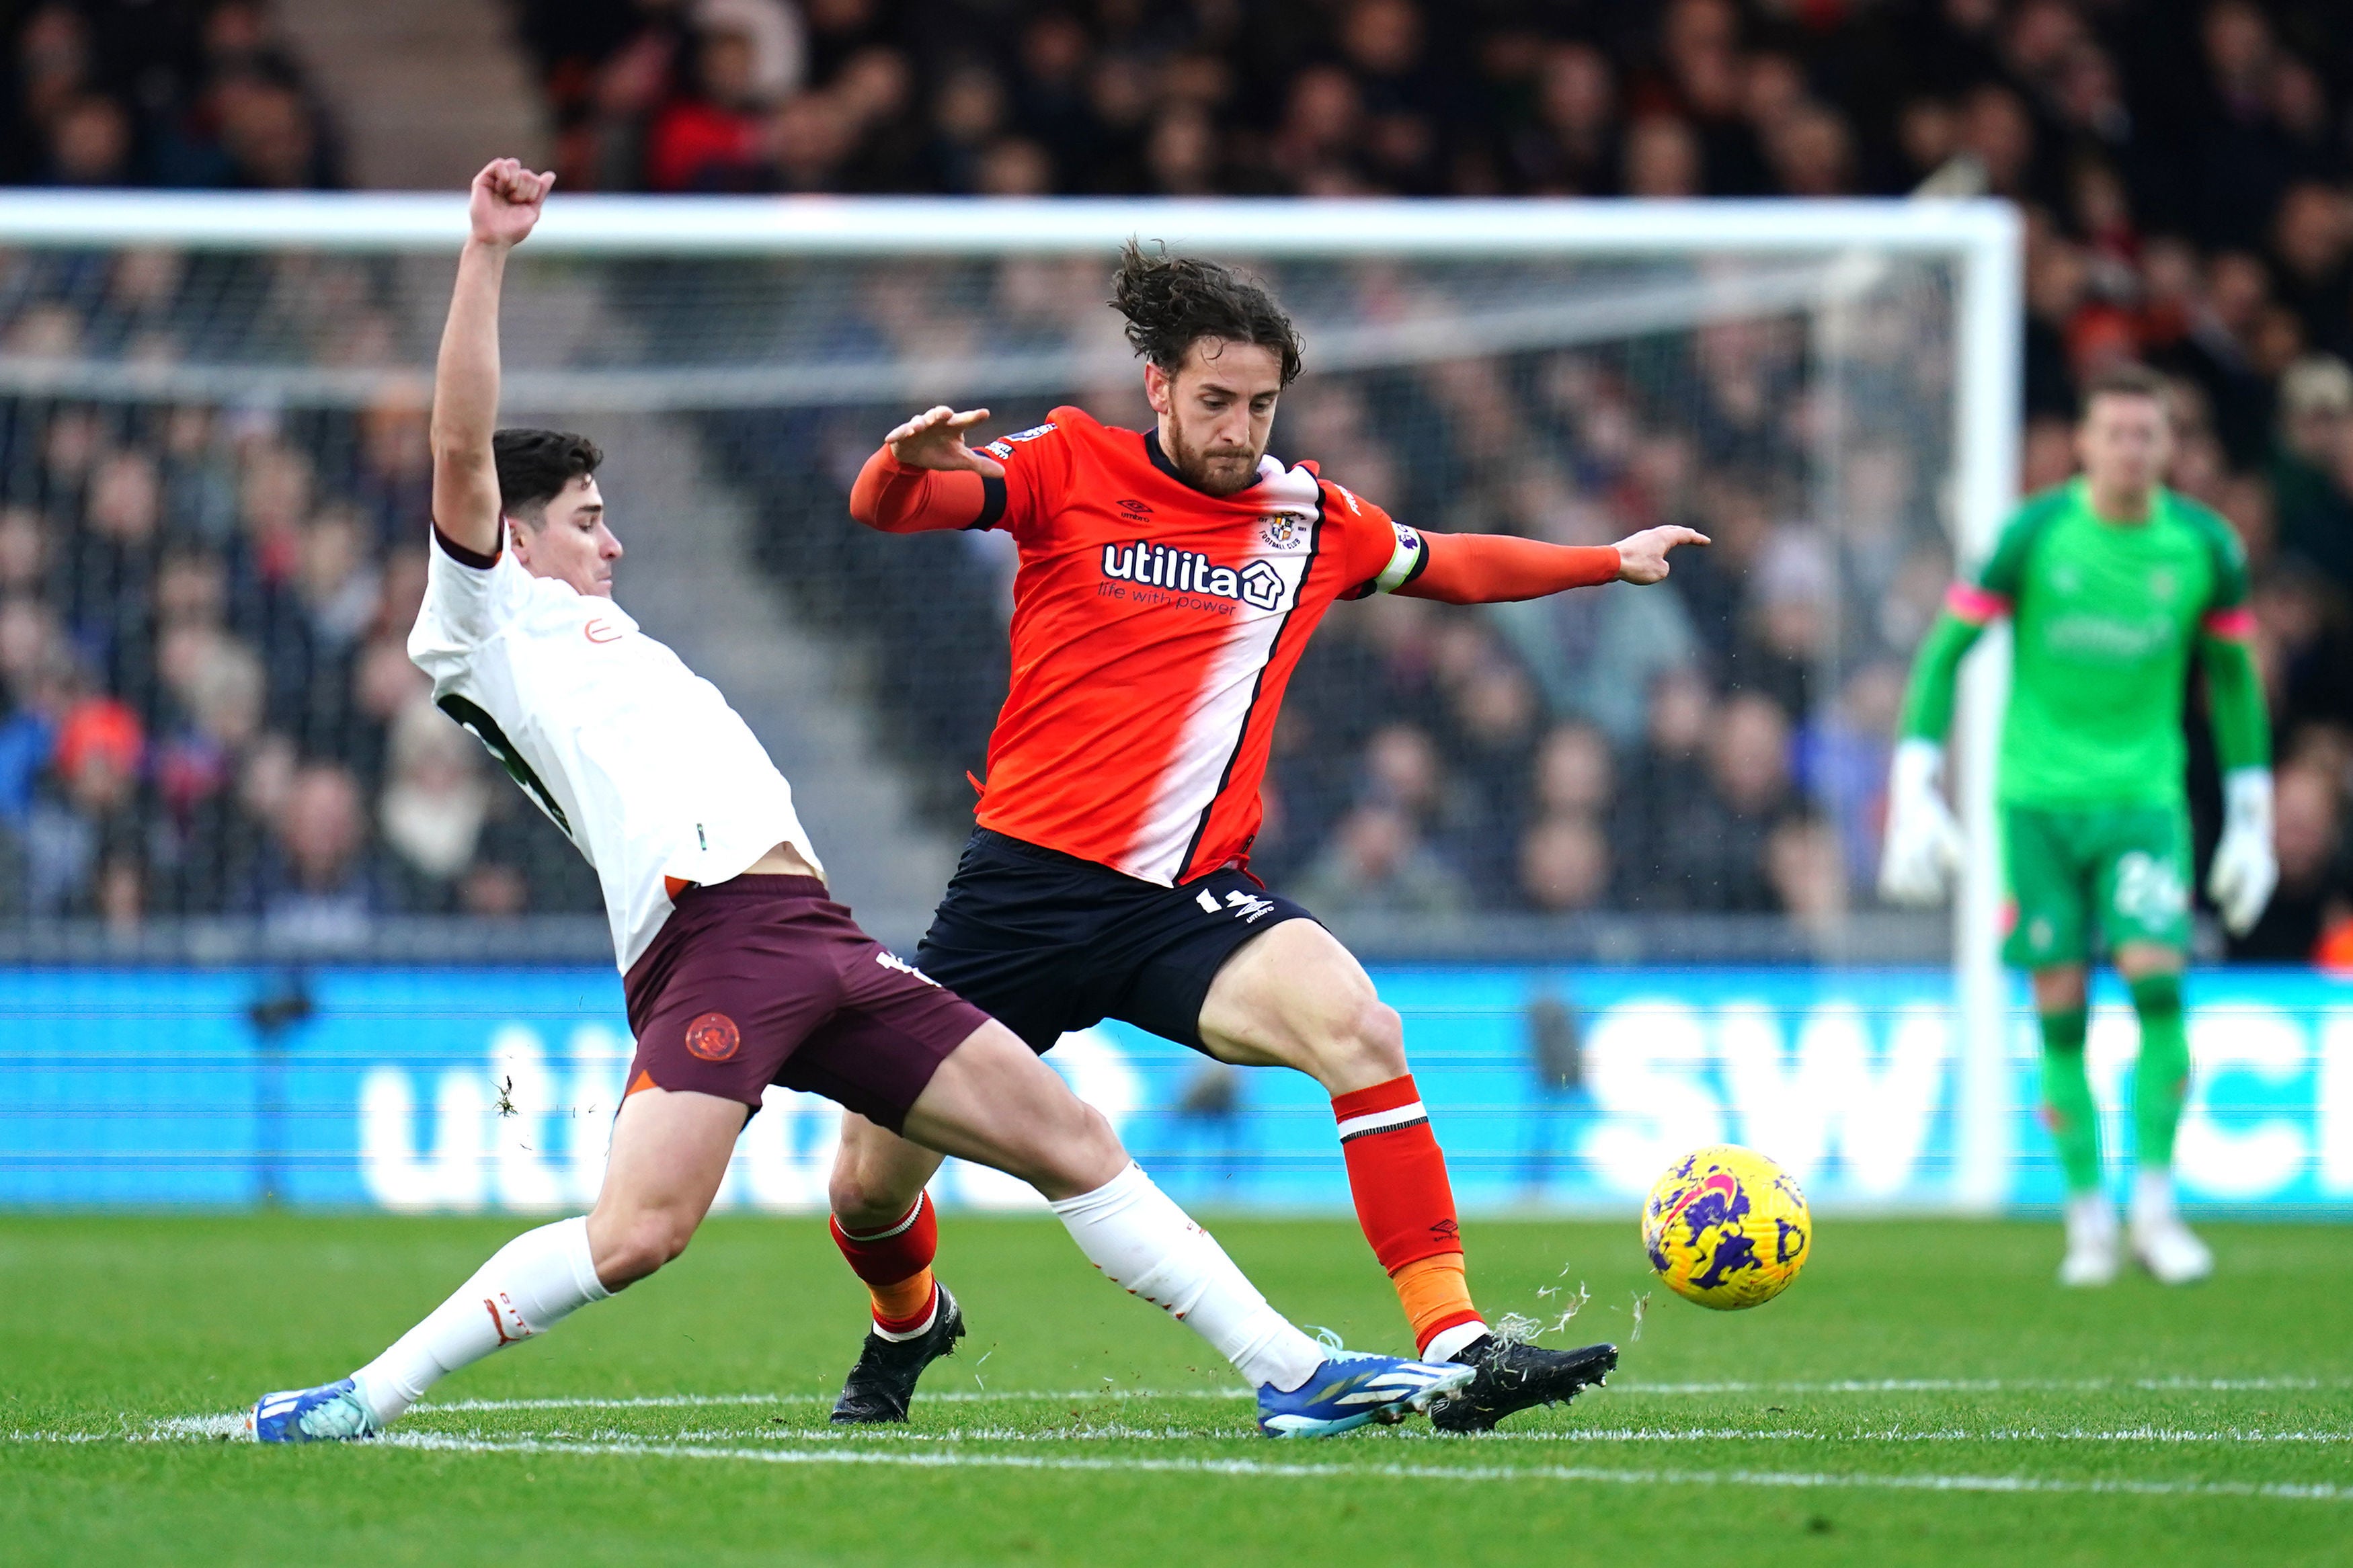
x=709, y=331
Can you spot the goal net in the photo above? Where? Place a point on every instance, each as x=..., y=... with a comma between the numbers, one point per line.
x=214, y=480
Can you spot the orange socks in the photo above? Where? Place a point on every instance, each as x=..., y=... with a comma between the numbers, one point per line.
x=903, y=1309
x=896, y=1264
x=1435, y=1297
x=1398, y=1174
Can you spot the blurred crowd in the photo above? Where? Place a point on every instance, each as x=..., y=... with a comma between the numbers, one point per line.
x=1714, y=746
x=2119, y=117
x=180, y=93
x=207, y=706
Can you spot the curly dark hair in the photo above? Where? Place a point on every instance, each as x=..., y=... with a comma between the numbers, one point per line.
x=535, y=465
x=1171, y=302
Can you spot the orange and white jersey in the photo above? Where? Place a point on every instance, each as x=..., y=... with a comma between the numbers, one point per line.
x=1155, y=628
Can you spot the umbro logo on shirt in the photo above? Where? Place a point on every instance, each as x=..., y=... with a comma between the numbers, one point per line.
x=1134, y=509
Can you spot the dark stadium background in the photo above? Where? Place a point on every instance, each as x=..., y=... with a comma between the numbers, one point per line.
x=2183, y=169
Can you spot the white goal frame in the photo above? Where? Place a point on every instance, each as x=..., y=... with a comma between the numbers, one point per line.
x=1979, y=238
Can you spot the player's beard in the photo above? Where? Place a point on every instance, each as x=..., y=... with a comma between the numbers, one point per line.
x=1215, y=470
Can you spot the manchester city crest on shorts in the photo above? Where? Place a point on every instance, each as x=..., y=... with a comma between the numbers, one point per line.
x=1284, y=531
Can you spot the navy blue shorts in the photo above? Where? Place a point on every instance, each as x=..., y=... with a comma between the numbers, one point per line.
x=1046, y=942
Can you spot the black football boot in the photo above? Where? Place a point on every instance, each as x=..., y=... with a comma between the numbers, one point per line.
x=1515, y=1377
x=883, y=1381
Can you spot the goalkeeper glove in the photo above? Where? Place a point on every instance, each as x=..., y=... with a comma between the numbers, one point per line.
x=1923, y=842
x=2245, y=870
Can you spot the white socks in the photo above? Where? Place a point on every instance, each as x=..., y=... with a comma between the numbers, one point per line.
x=2091, y=1215
x=1148, y=1247
x=1128, y=1227
x=2152, y=1196
x=528, y=1286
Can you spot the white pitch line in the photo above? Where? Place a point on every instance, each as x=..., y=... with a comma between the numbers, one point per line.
x=2284, y=1491
x=948, y=1396
x=1563, y=1438
x=1858, y=1385
x=1997, y=1385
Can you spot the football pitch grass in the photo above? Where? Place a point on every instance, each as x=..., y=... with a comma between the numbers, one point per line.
x=1924, y=1395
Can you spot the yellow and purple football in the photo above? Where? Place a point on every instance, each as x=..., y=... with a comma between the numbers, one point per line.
x=1726, y=1228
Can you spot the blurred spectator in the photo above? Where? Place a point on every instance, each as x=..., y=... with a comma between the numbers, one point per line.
x=1403, y=774
x=1571, y=150
x=2311, y=467
x=92, y=809
x=747, y=54
x=1574, y=773
x=175, y=95
x=319, y=888
x=1661, y=159
x=1805, y=863
x=1377, y=863
x=89, y=144
x=1665, y=788
x=435, y=801
x=1714, y=857
x=1564, y=865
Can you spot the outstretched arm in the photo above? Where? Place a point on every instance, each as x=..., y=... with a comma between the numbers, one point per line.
x=1497, y=568
x=925, y=477
x=506, y=204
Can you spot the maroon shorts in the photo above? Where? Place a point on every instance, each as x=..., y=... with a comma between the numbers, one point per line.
x=765, y=980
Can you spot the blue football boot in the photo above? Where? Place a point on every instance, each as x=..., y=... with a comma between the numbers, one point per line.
x=1349, y=1391
x=333, y=1413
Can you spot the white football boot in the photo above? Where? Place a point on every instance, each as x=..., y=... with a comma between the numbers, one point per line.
x=2093, y=1255
x=2167, y=1249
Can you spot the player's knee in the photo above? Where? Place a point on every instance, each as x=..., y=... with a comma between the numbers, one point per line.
x=2060, y=989
x=1080, y=1155
x=858, y=1202
x=2140, y=960
x=1364, y=1044
x=640, y=1245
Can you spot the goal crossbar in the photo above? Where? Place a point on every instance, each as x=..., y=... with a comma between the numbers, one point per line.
x=833, y=226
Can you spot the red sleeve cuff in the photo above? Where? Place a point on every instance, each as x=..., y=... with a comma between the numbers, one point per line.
x=2234, y=624
x=1974, y=605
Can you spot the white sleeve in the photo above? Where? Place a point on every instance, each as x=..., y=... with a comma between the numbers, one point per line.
x=467, y=600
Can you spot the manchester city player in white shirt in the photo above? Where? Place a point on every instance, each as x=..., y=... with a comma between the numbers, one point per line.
x=738, y=971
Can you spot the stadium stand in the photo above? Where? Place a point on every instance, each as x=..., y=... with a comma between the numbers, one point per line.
x=2187, y=209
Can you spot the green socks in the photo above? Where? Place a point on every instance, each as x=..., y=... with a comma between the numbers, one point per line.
x=2067, y=1108
x=2161, y=1079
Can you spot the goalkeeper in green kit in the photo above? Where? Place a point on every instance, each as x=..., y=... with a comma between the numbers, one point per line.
x=2111, y=581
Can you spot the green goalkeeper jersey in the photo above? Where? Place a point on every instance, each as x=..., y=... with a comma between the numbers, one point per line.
x=2105, y=617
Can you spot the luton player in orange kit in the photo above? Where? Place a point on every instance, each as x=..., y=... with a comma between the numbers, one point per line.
x=1169, y=580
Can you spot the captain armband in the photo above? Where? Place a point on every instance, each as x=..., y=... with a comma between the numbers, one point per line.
x=1406, y=564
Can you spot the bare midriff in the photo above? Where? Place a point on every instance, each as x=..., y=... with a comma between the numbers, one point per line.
x=783, y=860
